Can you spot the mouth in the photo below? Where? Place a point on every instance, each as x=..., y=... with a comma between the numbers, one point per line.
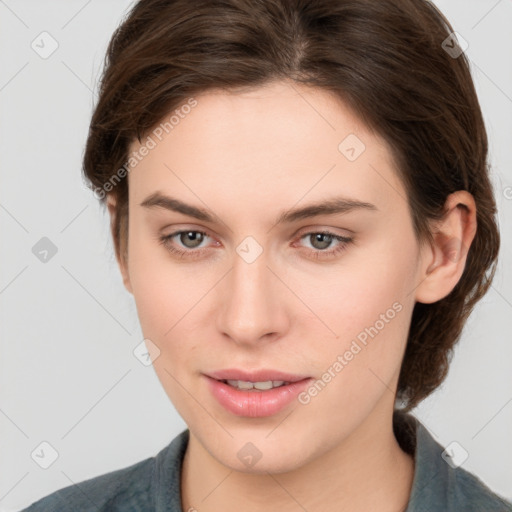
x=255, y=394
x=255, y=386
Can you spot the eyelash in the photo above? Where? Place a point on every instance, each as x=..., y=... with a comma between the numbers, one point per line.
x=314, y=253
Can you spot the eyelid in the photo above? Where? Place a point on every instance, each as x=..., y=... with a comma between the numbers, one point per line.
x=347, y=233
x=177, y=230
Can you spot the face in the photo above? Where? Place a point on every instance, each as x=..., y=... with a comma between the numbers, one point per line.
x=248, y=291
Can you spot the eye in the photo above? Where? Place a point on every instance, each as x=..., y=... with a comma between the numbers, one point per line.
x=191, y=240
x=321, y=240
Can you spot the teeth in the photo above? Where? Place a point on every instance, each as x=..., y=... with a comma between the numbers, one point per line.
x=262, y=386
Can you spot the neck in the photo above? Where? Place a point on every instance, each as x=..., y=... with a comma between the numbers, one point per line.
x=367, y=471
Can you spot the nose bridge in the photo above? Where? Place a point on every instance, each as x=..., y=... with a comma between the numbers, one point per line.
x=250, y=308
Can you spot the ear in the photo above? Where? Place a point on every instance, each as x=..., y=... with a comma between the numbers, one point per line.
x=444, y=260
x=121, y=260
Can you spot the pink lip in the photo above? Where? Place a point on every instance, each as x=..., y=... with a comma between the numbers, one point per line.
x=255, y=403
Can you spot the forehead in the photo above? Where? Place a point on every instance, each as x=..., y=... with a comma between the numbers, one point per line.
x=273, y=145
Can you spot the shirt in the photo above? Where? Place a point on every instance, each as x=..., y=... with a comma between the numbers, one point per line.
x=439, y=483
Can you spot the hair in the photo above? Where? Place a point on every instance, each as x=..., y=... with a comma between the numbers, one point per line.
x=388, y=61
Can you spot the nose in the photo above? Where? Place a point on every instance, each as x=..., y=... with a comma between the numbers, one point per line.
x=252, y=306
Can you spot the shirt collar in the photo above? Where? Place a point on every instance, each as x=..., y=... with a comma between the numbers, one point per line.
x=433, y=476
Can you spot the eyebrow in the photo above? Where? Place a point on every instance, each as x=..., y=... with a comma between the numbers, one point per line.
x=328, y=207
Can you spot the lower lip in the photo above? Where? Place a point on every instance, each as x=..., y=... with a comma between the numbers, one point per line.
x=256, y=404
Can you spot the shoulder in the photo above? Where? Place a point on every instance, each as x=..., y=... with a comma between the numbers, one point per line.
x=104, y=492
x=137, y=487
x=471, y=494
x=440, y=483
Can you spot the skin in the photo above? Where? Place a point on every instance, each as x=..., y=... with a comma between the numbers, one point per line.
x=247, y=157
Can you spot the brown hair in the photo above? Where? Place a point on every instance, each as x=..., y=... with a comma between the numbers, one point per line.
x=387, y=60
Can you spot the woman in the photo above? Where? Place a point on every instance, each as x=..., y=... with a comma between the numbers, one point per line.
x=301, y=208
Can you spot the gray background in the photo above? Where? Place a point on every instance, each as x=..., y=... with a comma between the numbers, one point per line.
x=68, y=375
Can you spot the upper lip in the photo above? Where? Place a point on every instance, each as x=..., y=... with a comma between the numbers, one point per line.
x=262, y=375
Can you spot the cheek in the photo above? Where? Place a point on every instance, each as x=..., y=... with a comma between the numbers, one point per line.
x=166, y=298
x=366, y=284
x=170, y=298
x=161, y=288
x=367, y=304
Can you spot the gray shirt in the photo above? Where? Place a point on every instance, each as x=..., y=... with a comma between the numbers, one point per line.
x=154, y=483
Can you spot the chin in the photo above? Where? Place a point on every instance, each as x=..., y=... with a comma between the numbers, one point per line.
x=257, y=452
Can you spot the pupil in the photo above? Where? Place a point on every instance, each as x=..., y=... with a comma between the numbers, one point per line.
x=195, y=236
x=327, y=239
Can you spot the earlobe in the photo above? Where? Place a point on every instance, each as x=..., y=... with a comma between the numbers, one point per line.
x=444, y=260
x=121, y=261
